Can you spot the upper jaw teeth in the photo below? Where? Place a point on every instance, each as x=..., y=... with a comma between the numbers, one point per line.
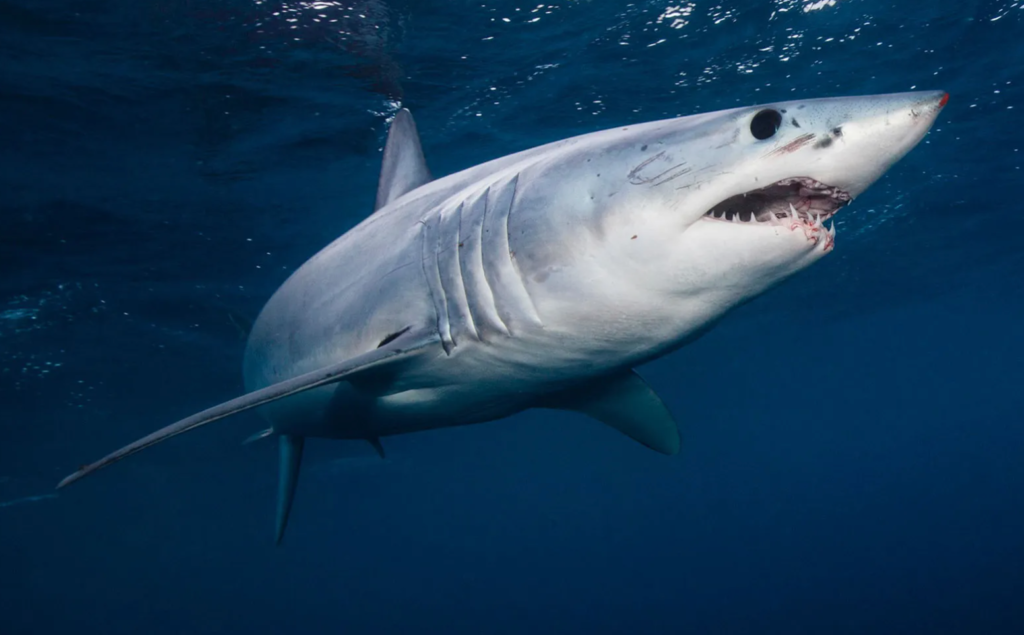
x=814, y=218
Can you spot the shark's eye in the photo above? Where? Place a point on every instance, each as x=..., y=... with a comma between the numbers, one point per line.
x=765, y=124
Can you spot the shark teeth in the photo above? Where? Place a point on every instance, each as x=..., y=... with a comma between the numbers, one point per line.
x=811, y=222
x=776, y=204
x=830, y=237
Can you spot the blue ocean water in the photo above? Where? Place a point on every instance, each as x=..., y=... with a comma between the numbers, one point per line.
x=852, y=440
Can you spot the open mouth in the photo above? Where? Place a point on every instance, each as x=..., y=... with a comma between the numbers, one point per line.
x=800, y=200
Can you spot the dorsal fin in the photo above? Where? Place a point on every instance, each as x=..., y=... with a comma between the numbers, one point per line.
x=404, y=168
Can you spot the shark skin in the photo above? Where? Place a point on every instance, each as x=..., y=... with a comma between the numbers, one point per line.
x=543, y=278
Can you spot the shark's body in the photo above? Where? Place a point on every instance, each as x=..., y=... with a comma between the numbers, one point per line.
x=541, y=279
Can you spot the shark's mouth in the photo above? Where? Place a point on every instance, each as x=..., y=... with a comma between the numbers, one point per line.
x=800, y=200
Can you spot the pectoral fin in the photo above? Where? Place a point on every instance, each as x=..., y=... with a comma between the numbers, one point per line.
x=403, y=346
x=625, y=402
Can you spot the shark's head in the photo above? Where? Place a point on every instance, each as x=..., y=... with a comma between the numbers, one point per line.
x=803, y=161
x=745, y=197
x=692, y=216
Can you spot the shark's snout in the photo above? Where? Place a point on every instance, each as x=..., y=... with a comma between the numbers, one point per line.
x=873, y=134
x=926, y=109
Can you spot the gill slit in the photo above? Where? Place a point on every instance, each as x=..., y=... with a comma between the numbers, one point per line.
x=512, y=255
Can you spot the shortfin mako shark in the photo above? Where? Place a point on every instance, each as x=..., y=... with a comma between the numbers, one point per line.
x=543, y=278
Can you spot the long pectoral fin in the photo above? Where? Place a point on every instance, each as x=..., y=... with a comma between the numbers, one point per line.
x=625, y=402
x=402, y=346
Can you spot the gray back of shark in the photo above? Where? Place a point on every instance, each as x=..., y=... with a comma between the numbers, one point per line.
x=543, y=278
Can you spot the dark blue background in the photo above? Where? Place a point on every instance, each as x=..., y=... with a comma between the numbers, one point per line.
x=852, y=441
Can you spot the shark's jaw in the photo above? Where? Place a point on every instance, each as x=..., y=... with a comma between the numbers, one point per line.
x=797, y=198
x=794, y=203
